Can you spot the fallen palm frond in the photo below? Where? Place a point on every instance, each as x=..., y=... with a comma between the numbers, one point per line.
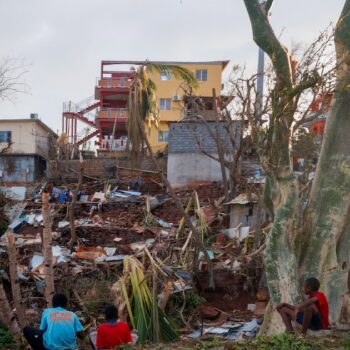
x=141, y=303
x=202, y=226
x=201, y=223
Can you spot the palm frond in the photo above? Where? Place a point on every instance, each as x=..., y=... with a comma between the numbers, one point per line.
x=143, y=104
x=150, y=321
x=177, y=72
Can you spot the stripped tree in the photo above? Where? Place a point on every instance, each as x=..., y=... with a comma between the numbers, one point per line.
x=72, y=205
x=47, y=250
x=15, y=287
x=6, y=315
x=315, y=242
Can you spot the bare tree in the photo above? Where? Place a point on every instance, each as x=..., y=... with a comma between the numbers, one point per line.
x=6, y=315
x=12, y=78
x=15, y=287
x=72, y=205
x=315, y=243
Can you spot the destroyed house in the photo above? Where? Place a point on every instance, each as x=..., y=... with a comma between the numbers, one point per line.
x=191, y=143
x=25, y=147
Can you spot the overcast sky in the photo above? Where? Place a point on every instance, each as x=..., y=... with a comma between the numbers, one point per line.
x=65, y=40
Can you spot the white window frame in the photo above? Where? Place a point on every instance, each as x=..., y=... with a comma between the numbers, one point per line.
x=165, y=104
x=201, y=74
x=163, y=136
x=165, y=76
x=7, y=136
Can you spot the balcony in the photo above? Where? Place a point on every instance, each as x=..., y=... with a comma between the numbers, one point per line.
x=113, y=83
x=113, y=114
x=110, y=144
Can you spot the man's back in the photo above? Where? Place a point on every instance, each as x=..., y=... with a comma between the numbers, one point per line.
x=60, y=327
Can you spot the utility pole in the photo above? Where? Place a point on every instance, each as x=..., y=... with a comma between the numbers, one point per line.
x=260, y=78
x=260, y=82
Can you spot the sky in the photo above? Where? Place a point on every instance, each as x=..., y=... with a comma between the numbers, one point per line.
x=64, y=41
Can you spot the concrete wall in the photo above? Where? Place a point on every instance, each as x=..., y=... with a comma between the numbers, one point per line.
x=184, y=168
x=29, y=136
x=100, y=167
x=20, y=169
x=247, y=215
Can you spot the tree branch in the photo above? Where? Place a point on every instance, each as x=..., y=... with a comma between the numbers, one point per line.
x=266, y=39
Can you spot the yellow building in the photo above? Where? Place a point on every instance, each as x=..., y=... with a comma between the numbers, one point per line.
x=109, y=103
x=170, y=95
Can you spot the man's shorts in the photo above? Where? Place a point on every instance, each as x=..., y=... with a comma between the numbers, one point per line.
x=315, y=324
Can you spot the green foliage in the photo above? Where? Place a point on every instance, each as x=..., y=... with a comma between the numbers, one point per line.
x=150, y=321
x=281, y=342
x=175, y=304
x=345, y=343
x=6, y=340
x=303, y=145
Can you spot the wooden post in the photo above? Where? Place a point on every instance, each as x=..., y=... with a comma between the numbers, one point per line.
x=47, y=250
x=6, y=315
x=15, y=287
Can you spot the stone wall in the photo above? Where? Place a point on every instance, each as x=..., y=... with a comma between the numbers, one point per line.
x=102, y=168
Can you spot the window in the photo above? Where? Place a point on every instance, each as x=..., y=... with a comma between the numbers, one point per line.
x=5, y=136
x=165, y=104
x=165, y=76
x=18, y=165
x=202, y=75
x=163, y=136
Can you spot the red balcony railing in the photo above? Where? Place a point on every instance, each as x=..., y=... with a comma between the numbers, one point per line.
x=120, y=82
x=118, y=114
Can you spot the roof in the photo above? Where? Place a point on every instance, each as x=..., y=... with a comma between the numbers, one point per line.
x=38, y=121
x=223, y=63
x=197, y=137
x=244, y=198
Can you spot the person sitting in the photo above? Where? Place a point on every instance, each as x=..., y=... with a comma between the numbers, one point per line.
x=58, y=328
x=112, y=334
x=311, y=314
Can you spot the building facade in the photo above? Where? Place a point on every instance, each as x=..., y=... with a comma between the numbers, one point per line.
x=25, y=146
x=105, y=114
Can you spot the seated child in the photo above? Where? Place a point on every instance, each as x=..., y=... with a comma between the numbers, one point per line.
x=311, y=314
x=112, y=334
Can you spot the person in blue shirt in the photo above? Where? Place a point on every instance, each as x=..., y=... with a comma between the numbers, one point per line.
x=58, y=328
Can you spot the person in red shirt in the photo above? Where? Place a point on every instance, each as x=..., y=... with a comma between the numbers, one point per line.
x=312, y=314
x=112, y=334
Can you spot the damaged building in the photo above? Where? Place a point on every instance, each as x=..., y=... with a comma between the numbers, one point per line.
x=25, y=147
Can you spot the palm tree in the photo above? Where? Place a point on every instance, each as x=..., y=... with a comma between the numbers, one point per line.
x=142, y=100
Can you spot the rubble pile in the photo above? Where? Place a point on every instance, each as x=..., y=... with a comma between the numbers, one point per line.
x=113, y=223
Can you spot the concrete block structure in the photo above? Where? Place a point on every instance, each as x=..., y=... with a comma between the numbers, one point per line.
x=189, y=141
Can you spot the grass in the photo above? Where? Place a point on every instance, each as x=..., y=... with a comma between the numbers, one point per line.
x=6, y=340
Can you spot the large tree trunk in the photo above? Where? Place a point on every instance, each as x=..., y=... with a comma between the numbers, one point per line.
x=281, y=188
x=327, y=228
x=321, y=248
x=15, y=287
x=47, y=250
